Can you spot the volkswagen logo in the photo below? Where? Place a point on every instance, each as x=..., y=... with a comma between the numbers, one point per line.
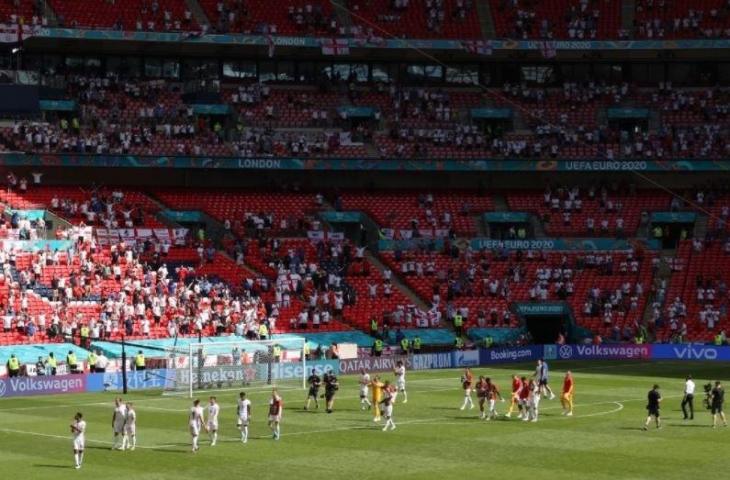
x=2, y=388
x=566, y=351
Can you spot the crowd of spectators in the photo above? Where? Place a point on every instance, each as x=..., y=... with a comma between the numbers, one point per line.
x=680, y=19
x=117, y=114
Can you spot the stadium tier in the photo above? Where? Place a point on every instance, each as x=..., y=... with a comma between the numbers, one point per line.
x=409, y=19
x=377, y=167
x=140, y=15
x=564, y=19
x=298, y=207
x=134, y=278
x=113, y=115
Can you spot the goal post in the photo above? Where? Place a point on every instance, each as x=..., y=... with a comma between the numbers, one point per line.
x=237, y=364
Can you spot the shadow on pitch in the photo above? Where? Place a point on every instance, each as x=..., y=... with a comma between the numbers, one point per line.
x=44, y=465
x=169, y=450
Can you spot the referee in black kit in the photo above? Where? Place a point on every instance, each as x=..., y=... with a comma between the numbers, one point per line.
x=689, y=398
x=653, y=398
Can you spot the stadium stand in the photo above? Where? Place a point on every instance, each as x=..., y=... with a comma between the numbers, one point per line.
x=417, y=18
x=558, y=19
x=682, y=19
x=122, y=259
x=293, y=17
x=139, y=15
x=572, y=211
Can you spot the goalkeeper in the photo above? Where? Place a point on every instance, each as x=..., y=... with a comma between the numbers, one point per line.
x=376, y=387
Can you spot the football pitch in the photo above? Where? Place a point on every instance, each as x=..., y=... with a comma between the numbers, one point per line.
x=433, y=439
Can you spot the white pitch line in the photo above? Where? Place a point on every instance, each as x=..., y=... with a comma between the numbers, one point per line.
x=61, y=437
x=619, y=407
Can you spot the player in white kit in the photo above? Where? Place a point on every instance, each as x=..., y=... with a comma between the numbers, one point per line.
x=400, y=380
x=364, y=383
x=118, y=419
x=244, y=416
x=213, y=411
x=196, y=421
x=129, y=441
x=78, y=429
x=534, y=401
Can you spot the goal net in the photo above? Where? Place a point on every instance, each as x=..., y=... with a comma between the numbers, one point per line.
x=232, y=365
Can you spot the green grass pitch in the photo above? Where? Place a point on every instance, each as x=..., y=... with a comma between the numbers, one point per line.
x=434, y=439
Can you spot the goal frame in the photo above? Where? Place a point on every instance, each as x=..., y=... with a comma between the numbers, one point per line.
x=193, y=351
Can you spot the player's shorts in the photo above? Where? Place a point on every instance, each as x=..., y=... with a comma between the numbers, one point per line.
x=716, y=408
x=329, y=395
x=492, y=403
x=119, y=428
x=79, y=443
x=654, y=412
x=388, y=411
x=242, y=422
x=313, y=392
x=275, y=418
x=195, y=430
x=363, y=392
x=213, y=425
x=543, y=382
x=400, y=384
x=130, y=429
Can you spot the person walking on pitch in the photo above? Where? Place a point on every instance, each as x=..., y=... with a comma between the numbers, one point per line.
x=78, y=430
x=244, y=416
x=688, y=399
x=566, y=398
x=654, y=399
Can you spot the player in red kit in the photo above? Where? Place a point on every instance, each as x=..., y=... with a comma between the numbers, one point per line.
x=492, y=396
x=482, y=395
x=276, y=407
x=524, y=396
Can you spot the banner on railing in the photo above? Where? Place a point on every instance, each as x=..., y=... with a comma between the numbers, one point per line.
x=690, y=352
x=17, y=33
x=317, y=236
x=26, y=386
x=35, y=245
x=363, y=163
x=591, y=244
x=290, y=370
x=175, y=236
x=598, y=352
x=111, y=382
x=510, y=354
x=374, y=364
